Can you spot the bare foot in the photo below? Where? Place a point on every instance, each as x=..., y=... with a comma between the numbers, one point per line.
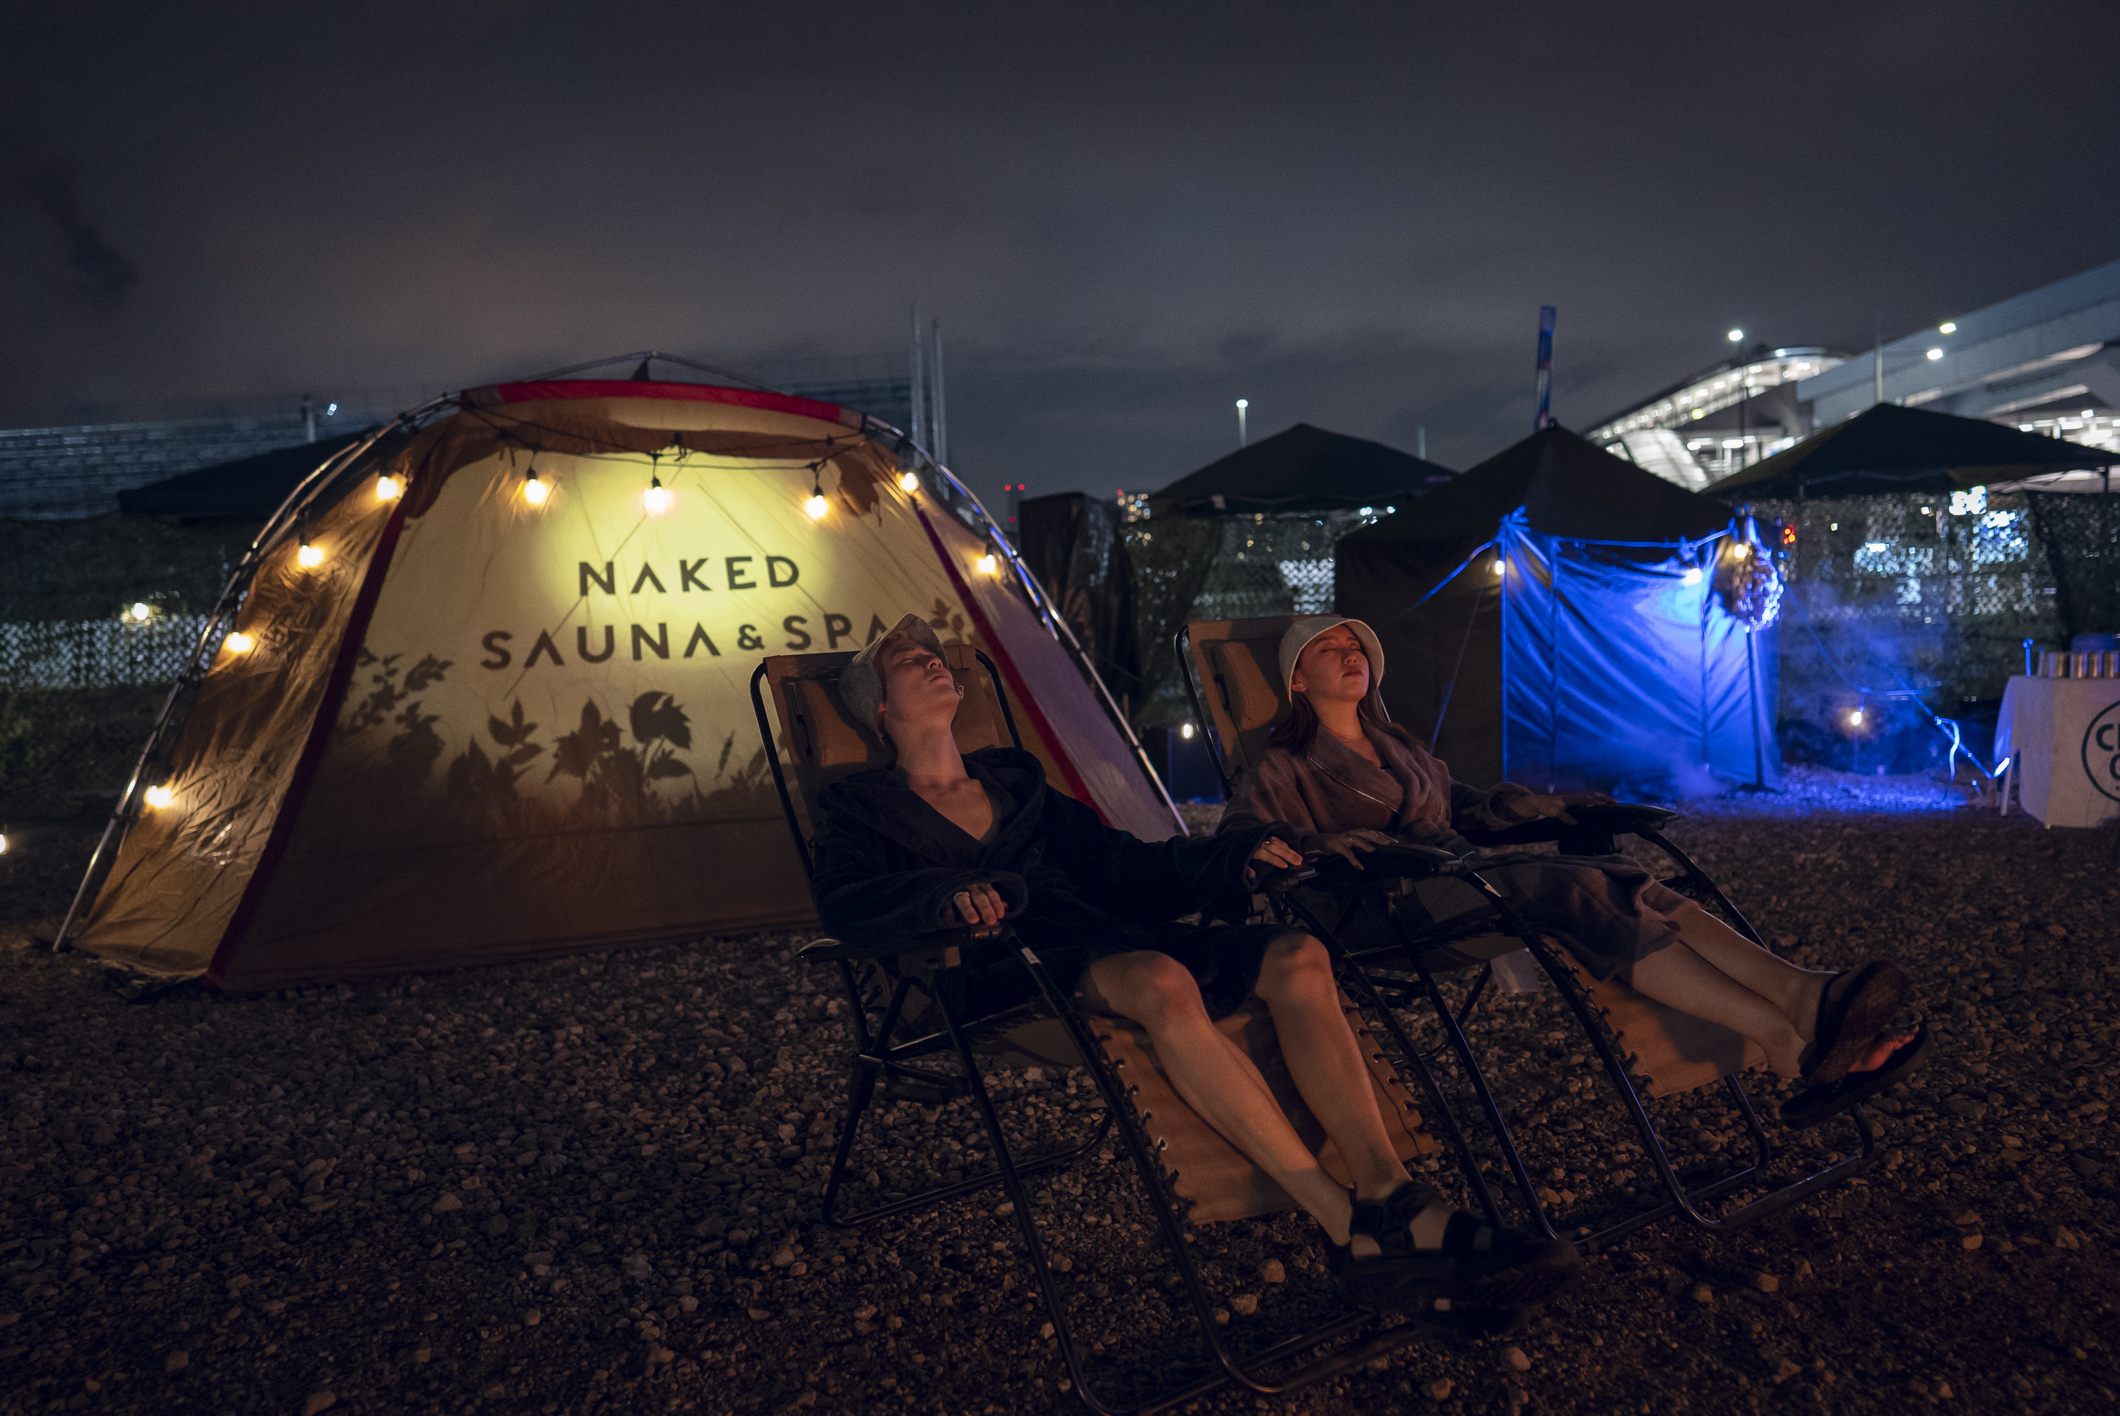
x=1880, y=1051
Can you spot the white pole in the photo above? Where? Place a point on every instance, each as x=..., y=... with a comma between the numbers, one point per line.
x=940, y=405
x=913, y=371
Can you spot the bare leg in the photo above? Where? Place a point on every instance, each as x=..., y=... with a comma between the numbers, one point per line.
x=1214, y=1077
x=1682, y=979
x=1324, y=1057
x=1795, y=991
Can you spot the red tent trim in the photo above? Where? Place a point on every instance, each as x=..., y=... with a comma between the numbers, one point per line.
x=1077, y=788
x=625, y=388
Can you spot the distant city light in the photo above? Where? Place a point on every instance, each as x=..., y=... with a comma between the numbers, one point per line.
x=332, y=411
x=1947, y=327
x=1935, y=354
x=1736, y=336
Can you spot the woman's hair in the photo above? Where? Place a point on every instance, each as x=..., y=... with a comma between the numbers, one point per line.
x=1296, y=732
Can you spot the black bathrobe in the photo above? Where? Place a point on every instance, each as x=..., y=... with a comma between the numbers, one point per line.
x=888, y=866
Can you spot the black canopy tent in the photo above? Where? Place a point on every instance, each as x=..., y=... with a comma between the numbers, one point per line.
x=1559, y=509
x=1304, y=470
x=1887, y=449
x=248, y=490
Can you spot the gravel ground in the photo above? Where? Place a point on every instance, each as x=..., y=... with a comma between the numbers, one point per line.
x=591, y=1184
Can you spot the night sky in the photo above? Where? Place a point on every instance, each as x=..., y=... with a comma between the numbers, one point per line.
x=1125, y=216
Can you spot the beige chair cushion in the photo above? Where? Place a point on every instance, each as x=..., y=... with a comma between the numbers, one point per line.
x=1216, y=1178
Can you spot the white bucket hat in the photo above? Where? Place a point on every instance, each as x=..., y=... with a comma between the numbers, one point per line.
x=1310, y=627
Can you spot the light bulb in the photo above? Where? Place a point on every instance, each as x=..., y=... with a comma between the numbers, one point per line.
x=1934, y=355
x=239, y=643
x=816, y=505
x=1186, y=732
x=142, y=611
x=1736, y=335
x=1741, y=550
x=1947, y=327
x=1855, y=717
x=310, y=556
x=159, y=797
x=988, y=563
x=908, y=481
x=388, y=488
x=1691, y=577
x=534, y=488
x=657, y=498
x=3, y=843
x=1501, y=567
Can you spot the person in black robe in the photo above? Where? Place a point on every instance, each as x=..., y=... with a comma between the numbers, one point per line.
x=943, y=840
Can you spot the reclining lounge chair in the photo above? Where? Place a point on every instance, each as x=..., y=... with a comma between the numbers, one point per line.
x=910, y=1024
x=1237, y=662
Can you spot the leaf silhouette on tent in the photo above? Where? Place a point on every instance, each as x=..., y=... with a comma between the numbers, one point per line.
x=578, y=753
x=656, y=716
x=948, y=623
x=514, y=734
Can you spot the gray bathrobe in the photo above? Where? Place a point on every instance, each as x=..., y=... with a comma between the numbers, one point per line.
x=1605, y=910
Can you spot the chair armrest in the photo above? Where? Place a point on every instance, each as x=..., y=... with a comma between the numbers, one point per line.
x=946, y=941
x=1619, y=819
x=1398, y=861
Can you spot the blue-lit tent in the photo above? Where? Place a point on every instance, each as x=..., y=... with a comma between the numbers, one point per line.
x=1561, y=618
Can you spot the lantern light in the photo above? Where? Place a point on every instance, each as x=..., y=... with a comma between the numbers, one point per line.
x=535, y=489
x=310, y=555
x=388, y=488
x=159, y=797
x=657, y=498
x=908, y=481
x=239, y=643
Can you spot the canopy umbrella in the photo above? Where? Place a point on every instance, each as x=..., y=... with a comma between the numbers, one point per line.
x=1888, y=449
x=1304, y=469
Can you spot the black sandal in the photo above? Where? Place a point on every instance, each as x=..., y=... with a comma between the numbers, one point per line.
x=1398, y=1276
x=1486, y=1266
x=1848, y=1024
x=1814, y=1104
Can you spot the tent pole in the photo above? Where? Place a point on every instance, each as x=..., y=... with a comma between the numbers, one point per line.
x=275, y=528
x=1063, y=632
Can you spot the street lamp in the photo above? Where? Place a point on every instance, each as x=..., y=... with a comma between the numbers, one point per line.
x=1243, y=435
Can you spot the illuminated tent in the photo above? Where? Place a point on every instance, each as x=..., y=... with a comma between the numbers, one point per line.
x=1561, y=618
x=487, y=692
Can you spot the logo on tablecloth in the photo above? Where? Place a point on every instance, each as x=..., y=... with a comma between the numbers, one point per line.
x=2101, y=751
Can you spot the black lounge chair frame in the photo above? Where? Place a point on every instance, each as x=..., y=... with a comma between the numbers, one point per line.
x=894, y=1064
x=1421, y=956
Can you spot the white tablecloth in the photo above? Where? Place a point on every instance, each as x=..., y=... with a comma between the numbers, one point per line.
x=2063, y=736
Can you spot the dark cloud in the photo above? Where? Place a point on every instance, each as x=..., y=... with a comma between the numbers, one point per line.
x=99, y=272
x=1126, y=217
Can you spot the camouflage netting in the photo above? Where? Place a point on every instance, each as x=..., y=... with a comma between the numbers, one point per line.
x=1931, y=598
x=1221, y=568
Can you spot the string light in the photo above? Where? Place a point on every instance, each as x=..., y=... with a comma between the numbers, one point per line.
x=1501, y=567
x=1855, y=717
x=908, y=481
x=535, y=489
x=657, y=498
x=239, y=643
x=988, y=563
x=141, y=612
x=1691, y=577
x=388, y=488
x=1741, y=550
x=159, y=797
x=310, y=555
x=816, y=505
x=1185, y=731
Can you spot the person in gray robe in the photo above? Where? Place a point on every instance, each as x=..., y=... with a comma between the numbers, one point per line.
x=1348, y=779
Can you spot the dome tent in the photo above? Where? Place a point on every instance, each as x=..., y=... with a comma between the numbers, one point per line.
x=1560, y=613
x=469, y=724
